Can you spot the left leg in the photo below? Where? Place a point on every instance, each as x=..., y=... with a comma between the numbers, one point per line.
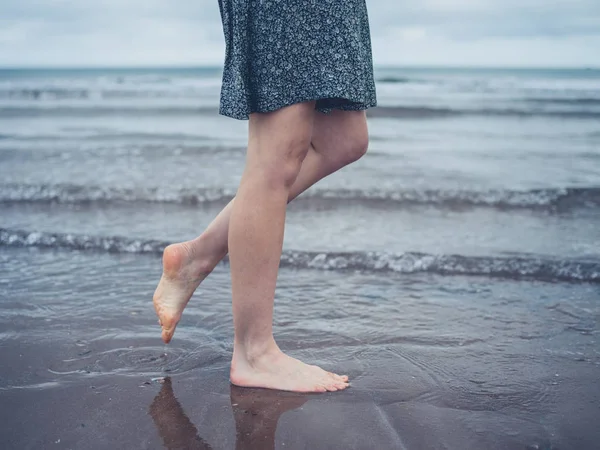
x=338, y=139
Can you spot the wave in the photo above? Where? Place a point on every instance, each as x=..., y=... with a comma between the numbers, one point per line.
x=419, y=112
x=44, y=93
x=536, y=199
x=544, y=269
x=97, y=110
x=57, y=93
x=392, y=79
x=99, y=135
x=588, y=101
x=140, y=89
x=398, y=112
x=77, y=194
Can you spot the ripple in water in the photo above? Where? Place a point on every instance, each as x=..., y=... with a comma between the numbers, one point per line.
x=145, y=361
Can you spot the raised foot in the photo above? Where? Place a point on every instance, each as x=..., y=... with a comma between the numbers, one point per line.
x=276, y=370
x=182, y=275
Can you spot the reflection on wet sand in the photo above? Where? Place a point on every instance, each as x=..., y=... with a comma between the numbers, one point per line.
x=256, y=413
x=174, y=427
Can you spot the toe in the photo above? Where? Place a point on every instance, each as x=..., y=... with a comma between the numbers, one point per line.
x=332, y=384
x=168, y=324
x=340, y=385
x=337, y=377
x=167, y=333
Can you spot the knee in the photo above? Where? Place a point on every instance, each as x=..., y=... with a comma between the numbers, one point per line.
x=280, y=169
x=358, y=147
x=349, y=150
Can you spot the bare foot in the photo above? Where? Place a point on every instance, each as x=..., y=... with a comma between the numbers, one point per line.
x=276, y=370
x=182, y=274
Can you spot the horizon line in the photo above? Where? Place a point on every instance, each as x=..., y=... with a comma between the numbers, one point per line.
x=219, y=67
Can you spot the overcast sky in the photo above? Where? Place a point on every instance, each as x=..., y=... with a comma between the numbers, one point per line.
x=405, y=32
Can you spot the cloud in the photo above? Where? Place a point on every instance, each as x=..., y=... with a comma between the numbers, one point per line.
x=186, y=32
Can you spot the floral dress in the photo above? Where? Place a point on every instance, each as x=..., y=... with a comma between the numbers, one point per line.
x=282, y=52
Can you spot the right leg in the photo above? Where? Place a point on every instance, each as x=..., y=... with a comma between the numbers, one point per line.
x=338, y=139
x=278, y=143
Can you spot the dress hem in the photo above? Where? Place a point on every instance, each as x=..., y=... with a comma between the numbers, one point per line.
x=347, y=105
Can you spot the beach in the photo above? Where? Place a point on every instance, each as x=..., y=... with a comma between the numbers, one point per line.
x=453, y=272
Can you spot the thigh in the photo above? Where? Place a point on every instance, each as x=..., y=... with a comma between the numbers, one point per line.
x=274, y=134
x=338, y=131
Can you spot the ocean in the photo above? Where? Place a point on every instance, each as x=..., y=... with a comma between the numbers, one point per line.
x=453, y=272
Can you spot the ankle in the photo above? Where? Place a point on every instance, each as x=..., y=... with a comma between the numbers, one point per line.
x=205, y=254
x=251, y=352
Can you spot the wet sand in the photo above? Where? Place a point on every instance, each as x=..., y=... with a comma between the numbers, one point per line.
x=201, y=410
x=435, y=362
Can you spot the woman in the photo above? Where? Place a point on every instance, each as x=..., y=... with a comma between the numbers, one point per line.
x=301, y=71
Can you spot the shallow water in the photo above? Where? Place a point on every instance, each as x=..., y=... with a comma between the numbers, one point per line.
x=435, y=361
x=453, y=272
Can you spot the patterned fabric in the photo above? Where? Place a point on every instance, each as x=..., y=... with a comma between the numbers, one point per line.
x=281, y=52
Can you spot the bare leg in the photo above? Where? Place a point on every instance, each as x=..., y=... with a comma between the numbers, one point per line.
x=278, y=143
x=339, y=139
